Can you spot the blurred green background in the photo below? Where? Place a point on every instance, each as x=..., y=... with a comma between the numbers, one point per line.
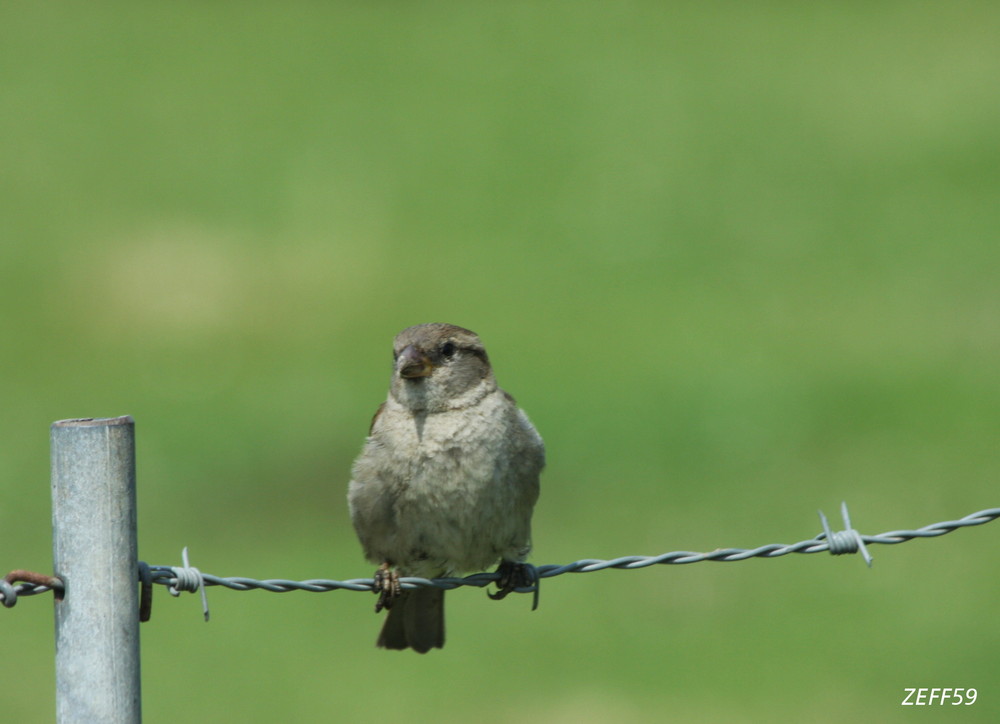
x=737, y=261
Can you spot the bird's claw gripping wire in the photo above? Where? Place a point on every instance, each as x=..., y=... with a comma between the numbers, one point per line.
x=514, y=575
x=387, y=586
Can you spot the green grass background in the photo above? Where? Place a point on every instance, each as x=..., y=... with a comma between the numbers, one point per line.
x=738, y=261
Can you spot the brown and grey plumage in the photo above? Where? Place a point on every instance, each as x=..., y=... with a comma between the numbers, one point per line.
x=446, y=481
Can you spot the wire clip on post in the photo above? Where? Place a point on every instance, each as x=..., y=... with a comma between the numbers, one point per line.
x=34, y=583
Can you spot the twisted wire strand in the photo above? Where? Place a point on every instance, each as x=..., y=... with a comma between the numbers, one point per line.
x=180, y=578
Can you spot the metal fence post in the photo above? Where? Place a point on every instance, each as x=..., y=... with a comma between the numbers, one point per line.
x=94, y=552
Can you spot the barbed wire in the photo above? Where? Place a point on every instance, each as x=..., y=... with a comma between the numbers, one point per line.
x=178, y=579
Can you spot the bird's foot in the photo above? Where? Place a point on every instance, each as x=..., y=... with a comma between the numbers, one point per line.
x=514, y=575
x=386, y=586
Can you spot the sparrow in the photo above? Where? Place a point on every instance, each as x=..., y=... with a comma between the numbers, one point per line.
x=446, y=481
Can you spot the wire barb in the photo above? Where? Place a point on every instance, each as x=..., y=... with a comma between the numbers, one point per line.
x=188, y=578
x=847, y=540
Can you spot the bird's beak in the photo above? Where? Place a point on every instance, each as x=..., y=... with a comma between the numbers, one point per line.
x=413, y=363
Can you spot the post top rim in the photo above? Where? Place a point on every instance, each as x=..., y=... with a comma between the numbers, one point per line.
x=95, y=421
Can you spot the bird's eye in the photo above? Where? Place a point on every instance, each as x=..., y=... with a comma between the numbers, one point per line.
x=448, y=349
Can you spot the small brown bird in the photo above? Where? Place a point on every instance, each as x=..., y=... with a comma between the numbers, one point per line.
x=446, y=481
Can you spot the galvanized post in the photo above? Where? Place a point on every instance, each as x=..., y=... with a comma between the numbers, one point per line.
x=94, y=551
